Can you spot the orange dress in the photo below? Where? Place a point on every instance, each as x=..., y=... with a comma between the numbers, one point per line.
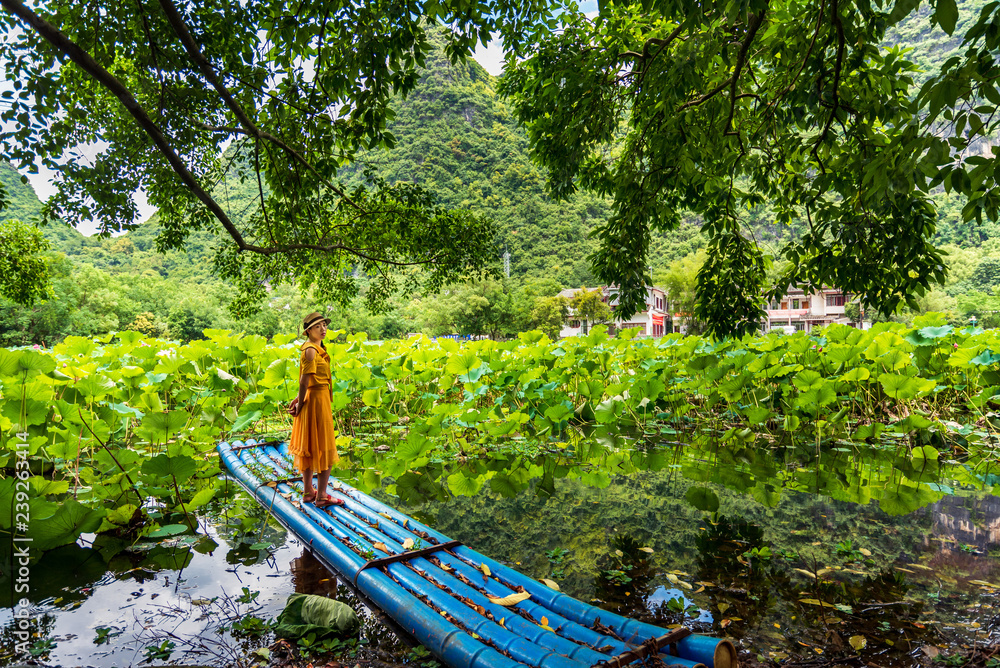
x=313, y=441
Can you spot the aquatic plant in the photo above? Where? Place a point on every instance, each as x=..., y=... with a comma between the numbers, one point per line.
x=117, y=434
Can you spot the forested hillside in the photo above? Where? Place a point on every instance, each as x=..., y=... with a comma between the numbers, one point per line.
x=456, y=137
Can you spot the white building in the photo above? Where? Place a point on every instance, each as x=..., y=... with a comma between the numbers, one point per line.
x=652, y=321
x=800, y=311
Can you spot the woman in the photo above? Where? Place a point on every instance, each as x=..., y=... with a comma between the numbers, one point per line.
x=313, y=441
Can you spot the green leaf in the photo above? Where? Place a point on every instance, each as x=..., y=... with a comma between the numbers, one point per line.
x=702, y=498
x=462, y=363
x=31, y=361
x=70, y=520
x=946, y=14
x=280, y=372
x=202, y=497
x=95, y=386
x=461, y=485
x=414, y=446
x=162, y=426
x=372, y=397
x=169, y=530
x=985, y=358
x=904, y=499
x=245, y=419
x=162, y=466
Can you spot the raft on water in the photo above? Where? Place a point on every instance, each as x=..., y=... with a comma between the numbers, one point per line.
x=469, y=610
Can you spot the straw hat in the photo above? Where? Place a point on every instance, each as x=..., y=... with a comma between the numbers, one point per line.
x=312, y=319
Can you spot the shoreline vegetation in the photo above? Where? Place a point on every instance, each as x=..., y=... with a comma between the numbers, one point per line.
x=115, y=421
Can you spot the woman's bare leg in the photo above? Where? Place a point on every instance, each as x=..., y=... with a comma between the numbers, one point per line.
x=307, y=483
x=324, y=478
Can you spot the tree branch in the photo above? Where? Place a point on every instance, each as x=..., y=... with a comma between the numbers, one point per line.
x=86, y=62
x=838, y=24
x=208, y=71
x=755, y=23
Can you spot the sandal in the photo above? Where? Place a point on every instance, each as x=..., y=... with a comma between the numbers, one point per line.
x=328, y=501
x=309, y=498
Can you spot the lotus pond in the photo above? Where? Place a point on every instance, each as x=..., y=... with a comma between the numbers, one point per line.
x=821, y=499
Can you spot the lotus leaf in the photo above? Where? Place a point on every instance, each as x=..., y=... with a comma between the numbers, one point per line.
x=177, y=469
x=904, y=499
x=246, y=419
x=70, y=519
x=702, y=498
x=31, y=362
x=280, y=372
x=462, y=485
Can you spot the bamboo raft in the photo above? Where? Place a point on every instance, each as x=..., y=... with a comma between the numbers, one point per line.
x=451, y=599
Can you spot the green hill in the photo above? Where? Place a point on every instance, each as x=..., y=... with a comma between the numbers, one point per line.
x=457, y=138
x=22, y=202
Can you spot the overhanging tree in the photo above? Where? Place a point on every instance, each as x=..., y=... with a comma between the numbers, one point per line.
x=717, y=107
x=155, y=90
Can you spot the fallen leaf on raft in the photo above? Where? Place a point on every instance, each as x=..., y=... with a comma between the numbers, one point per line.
x=545, y=624
x=408, y=543
x=380, y=546
x=485, y=569
x=271, y=483
x=551, y=584
x=512, y=599
x=386, y=516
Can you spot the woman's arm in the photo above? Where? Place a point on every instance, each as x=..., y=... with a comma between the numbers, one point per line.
x=304, y=382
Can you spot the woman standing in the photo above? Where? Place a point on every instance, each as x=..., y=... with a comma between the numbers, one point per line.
x=313, y=441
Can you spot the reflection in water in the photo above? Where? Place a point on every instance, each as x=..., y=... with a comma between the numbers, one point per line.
x=803, y=553
x=785, y=571
x=967, y=521
x=310, y=576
